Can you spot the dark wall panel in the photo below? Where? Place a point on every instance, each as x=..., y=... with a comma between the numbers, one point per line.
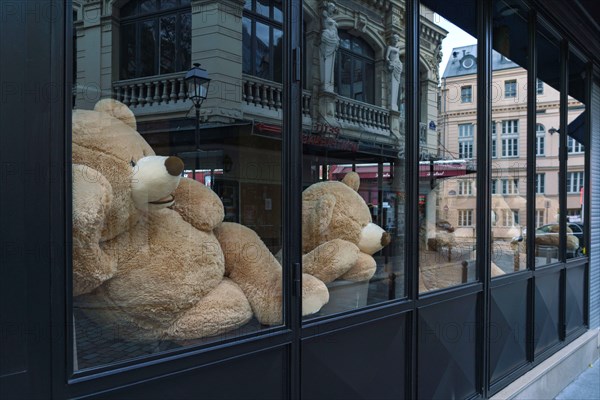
x=360, y=362
x=575, y=292
x=594, y=250
x=447, y=349
x=260, y=375
x=547, y=311
x=508, y=329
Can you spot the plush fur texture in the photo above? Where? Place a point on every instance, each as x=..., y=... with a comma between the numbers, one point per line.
x=250, y=264
x=338, y=237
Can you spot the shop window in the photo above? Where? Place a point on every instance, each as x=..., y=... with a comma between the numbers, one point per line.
x=465, y=141
x=466, y=94
x=262, y=37
x=355, y=69
x=510, y=138
x=177, y=219
x=155, y=38
x=510, y=89
x=540, y=140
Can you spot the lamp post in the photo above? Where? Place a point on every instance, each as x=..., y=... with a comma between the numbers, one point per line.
x=197, y=82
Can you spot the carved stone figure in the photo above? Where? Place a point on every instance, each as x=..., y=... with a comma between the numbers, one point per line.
x=392, y=57
x=330, y=42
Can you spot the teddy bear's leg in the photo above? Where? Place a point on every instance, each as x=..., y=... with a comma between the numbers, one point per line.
x=314, y=294
x=362, y=270
x=223, y=309
x=331, y=260
x=250, y=264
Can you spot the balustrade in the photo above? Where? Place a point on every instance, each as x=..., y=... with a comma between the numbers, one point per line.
x=358, y=113
x=151, y=91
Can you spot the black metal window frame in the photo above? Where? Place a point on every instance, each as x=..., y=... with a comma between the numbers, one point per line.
x=65, y=384
x=135, y=21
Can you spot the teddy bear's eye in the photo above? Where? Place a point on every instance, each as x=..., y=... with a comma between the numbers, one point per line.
x=132, y=163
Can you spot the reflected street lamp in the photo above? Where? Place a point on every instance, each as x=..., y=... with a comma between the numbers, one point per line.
x=197, y=82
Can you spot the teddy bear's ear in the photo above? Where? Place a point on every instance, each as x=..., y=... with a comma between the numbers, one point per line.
x=118, y=110
x=352, y=180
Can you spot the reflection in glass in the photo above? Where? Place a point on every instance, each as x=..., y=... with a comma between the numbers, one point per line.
x=353, y=137
x=576, y=167
x=176, y=231
x=547, y=235
x=448, y=162
x=509, y=141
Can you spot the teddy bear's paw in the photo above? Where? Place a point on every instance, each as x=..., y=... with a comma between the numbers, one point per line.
x=198, y=205
x=222, y=310
x=362, y=270
x=330, y=260
x=314, y=294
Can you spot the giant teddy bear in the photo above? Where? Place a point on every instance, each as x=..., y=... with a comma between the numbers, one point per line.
x=338, y=236
x=150, y=251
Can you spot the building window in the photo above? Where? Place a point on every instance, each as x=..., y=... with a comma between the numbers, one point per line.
x=540, y=140
x=510, y=138
x=494, y=185
x=510, y=186
x=539, y=86
x=465, y=188
x=465, y=140
x=466, y=94
x=510, y=88
x=494, y=140
x=574, y=146
x=574, y=182
x=465, y=217
x=540, y=183
x=262, y=37
x=539, y=218
x=355, y=69
x=155, y=38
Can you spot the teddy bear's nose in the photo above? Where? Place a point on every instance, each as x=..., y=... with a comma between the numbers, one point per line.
x=385, y=239
x=174, y=165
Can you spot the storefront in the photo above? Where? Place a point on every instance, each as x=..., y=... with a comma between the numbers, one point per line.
x=351, y=199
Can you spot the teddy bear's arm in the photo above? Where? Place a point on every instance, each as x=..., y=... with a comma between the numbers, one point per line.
x=331, y=260
x=92, y=197
x=198, y=205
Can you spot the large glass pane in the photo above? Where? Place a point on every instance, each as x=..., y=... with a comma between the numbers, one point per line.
x=177, y=220
x=353, y=166
x=509, y=138
x=547, y=237
x=448, y=150
x=576, y=168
